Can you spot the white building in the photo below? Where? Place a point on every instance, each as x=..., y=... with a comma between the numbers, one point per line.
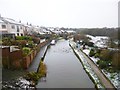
x=8, y=25
x=70, y=31
x=3, y=26
x=43, y=30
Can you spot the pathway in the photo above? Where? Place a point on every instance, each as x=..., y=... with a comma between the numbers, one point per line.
x=98, y=72
x=35, y=63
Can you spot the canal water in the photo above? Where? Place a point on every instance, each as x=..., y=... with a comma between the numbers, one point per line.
x=64, y=69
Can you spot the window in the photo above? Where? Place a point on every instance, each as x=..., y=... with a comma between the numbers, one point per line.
x=21, y=27
x=18, y=29
x=13, y=26
x=3, y=26
x=21, y=34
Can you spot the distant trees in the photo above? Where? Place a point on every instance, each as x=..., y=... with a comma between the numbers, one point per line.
x=80, y=37
x=101, y=32
x=113, y=33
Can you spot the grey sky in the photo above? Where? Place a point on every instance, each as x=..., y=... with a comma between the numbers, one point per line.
x=119, y=14
x=63, y=13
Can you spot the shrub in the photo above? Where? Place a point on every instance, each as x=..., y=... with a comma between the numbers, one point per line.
x=28, y=38
x=22, y=43
x=23, y=38
x=6, y=41
x=42, y=69
x=97, y=55
x=15, y=42
x=30, y=44
x=98, y=50
x=105, y=54
x=102, y=64
x=92, y=52
x=36, y=40
x=26, y=51
x=35, y=76
x=19, y=37
x=91, y=44
x=116, y=60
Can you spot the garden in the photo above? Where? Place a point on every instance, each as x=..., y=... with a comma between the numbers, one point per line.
x=24, y=43
x=106, y=59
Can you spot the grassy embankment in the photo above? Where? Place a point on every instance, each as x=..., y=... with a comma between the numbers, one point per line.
x=35, y=76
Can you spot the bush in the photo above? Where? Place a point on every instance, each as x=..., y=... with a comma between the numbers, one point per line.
x=35, y=76
x=26, y=51
x=28, y=38
x=6, y=41
x=22, y=43
x=30, y=44
x=92, y=52
x=98, y=50
x=36, y=40
x=91, y=44
x=97, y=55
x=42, y=69
x=116, y=60
x=102, y=64
x=105, y=54
x=15, y=42
x=23, y=38
x=19, y=37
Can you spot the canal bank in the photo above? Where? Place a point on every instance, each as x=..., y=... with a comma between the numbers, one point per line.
x=93, y=71
x=64, y=69
x=17, y=78
x=35, y=64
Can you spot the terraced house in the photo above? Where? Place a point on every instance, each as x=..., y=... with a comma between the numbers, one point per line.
x=11, y=27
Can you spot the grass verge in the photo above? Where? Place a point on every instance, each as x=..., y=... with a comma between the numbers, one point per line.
x=35, y=76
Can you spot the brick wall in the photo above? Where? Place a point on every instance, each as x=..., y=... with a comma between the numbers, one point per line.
x=11, y=59
x=15, y=59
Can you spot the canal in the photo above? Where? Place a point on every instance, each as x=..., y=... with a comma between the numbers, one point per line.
x=64, y=69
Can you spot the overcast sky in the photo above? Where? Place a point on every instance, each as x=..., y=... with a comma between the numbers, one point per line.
x=63, y=13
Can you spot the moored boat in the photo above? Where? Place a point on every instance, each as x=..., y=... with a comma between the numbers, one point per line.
x=52, y=42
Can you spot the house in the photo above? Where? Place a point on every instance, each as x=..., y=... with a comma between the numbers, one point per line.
x=3, y=26
x=43, y=31
x=11, y=26
x=28, y=29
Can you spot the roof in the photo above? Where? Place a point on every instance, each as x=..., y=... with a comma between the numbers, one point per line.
x=12, y=21
x=1, y=21
x=27, y=25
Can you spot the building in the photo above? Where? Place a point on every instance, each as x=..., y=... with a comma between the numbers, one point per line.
x=10, y=26
x=3, y=26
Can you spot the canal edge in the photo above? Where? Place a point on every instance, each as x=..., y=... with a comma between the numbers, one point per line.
x=90, y=76
x=42, y=58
